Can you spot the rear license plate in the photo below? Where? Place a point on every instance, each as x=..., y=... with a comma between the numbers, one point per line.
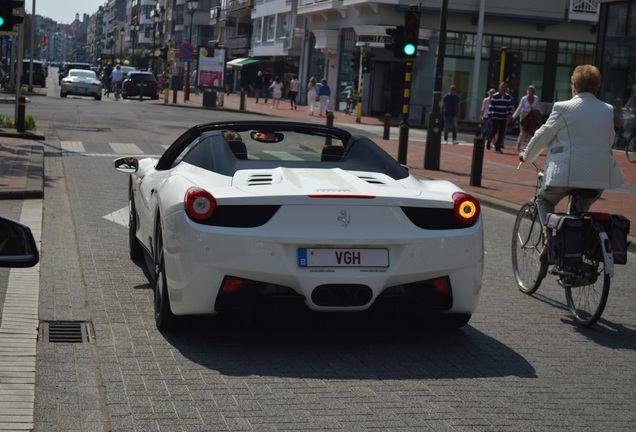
x=343, y=257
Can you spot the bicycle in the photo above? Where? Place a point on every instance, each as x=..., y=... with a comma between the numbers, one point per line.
x=586, y=284
x=352, y=102
x=117, y=86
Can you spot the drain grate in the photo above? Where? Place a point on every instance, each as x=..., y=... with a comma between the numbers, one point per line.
x=64, y=332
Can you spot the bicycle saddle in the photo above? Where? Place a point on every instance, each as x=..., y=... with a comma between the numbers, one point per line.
x=584, y=193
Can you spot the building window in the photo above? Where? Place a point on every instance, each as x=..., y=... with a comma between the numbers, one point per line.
x=270, y=27
x=575, y=53
x=257, y=34
x=283, y=26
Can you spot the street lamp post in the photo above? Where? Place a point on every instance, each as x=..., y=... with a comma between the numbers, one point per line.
x=121, y=44
x=156, y=17
x=192, y=8
x=133, y=30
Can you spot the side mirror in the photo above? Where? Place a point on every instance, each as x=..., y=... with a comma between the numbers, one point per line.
x=17, y=245
x=126, y=164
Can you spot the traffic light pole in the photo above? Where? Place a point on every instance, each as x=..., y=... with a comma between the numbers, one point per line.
x=403, y=135
x=360, y=86
x=166, y=83
x=434, y=128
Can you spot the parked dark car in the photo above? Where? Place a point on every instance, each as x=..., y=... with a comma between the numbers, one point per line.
x=134, y=80
x=65, y=67
x=39, y=73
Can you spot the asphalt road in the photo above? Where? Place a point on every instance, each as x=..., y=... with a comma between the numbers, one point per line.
x=520, y=364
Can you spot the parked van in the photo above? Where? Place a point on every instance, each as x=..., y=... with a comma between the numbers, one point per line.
x=39, y=73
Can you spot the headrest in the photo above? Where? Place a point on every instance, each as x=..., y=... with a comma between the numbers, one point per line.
x=332, y=153
x=238, y=148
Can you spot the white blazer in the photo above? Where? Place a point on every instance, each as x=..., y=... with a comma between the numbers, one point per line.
x=578, y=135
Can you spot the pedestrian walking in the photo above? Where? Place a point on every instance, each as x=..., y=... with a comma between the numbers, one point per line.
x=312, y=91
x=294, y=87
x=277, y=92
x=258, y=86
x=324, y=93
x=530, y=116
x=229, y=82
x=450, y=107
x=485, y=106
x=499, y=115
x=267, y=82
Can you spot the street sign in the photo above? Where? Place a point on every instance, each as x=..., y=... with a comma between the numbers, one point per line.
x=187, y=51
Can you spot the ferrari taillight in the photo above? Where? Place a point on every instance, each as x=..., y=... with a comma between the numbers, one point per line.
x=466, y=207
x=199, y=203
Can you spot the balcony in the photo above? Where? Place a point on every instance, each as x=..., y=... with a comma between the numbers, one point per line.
x=583, y=10
x=237, y=5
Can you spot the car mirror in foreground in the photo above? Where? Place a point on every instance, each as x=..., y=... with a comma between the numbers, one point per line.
x=17, y=245
x=126, y=164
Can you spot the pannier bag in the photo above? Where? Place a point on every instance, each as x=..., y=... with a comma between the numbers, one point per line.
x=617, y=229
x=565, y=239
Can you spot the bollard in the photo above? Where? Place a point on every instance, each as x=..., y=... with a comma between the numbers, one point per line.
x=403, y=142
x=20, y=118
x=242, y=105
x=329, y=118
x=329, y=123
x=387, y=126
x=174, y=96
x=478, y=160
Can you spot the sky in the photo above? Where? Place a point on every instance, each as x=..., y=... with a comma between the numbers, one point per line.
x=63, y=11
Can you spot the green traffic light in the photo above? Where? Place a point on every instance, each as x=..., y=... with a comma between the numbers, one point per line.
x=1, y=21
x=409, y=49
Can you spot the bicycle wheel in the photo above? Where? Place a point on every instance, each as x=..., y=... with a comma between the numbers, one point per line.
x=527, y=245
x=587, y=301
x=630, y=148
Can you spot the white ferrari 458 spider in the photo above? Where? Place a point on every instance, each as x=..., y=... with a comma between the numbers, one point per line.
x=238, y=215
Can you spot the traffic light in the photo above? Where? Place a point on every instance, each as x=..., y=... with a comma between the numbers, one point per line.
x=163, y=54
x=411, y=32
x=7, y=17
x=366, y=61
x=355, y=61
x=397, y=40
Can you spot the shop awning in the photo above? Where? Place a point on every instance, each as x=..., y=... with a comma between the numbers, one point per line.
x=240, y=62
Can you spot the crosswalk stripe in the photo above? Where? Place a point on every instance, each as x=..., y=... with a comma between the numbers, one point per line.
x=73, y=146
x=125, y=148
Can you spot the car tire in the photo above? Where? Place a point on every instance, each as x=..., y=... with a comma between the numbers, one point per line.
x=99, y=96
x=124, y=95
x=452, y=321
x=164, y=318
x=134, y=245
x=62, y=94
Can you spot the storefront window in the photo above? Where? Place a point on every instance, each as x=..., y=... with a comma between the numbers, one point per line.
x=617, y=19
x=631, y=21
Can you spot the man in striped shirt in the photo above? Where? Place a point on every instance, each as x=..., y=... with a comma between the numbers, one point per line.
x=499, y=115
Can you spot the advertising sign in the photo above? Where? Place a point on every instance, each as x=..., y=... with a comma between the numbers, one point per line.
x=211, y=72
